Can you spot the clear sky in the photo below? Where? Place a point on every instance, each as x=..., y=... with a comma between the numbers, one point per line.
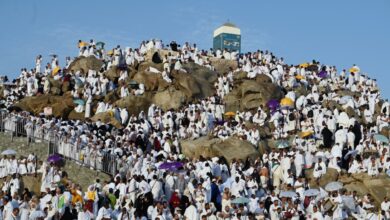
x=336, y=32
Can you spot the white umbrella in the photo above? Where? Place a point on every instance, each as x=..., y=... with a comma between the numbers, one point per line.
x=311, y=192
x=333, y=186
x=8, y=152
x=351, y=153
x=287, y=194
x=345, y=99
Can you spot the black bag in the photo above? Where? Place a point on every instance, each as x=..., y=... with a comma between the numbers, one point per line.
x=310, y=114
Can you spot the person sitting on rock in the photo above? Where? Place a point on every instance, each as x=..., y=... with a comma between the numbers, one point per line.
x=260, y=117
x=319, y=170
x=124, y=91
x=165, y=76
x=140, y=90
x=372, y=168
x=178, y=66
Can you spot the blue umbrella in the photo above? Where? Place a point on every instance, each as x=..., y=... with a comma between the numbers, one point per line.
x=282, y=144
x=333, y=186
x=381, y=138
x=8, y=152
x=79, y=102
x=287, y=194
x=311, y=192
x=351, y=153
x=240, y=200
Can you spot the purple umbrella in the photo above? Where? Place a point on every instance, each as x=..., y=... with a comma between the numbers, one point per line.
x=322, y=74
x=54, y=158
x=273, y=104
x=171, y=166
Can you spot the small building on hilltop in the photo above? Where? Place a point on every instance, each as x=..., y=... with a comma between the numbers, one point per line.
x=227, y=36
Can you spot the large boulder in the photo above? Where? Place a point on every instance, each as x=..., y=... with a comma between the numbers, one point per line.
x=330, y=176
x=197, y=83
x=61, y=105
x=73, y=115
x=241, y=75
x=145, y=65
x=110, y=97
x=231, y=148
x=170, y=99
x=223, y=65
x=112, y=73
x=250, y=94
x=378, y=187
x=152, y=81
x=83, y=64
x=385, y=131
x=136, y=104
x=55, y=86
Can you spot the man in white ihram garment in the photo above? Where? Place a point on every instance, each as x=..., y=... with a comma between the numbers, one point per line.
x=101, y=107
x=88, y=107
x=191, y=213
x=124, y=115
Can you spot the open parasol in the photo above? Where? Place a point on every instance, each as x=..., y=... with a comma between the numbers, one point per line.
x=287, y=102
x=54, y=158
x=8, y=152
x=171, y=166
x=333, y=186
x=230, y=114
x=240, y=200
x=287, y=194
x=381, y=138
x=311, y=192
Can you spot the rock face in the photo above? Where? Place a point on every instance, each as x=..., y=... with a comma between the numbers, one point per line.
x=73, y=115
x=61, y=105
x=378, y=187
x=152, y=81
x=170, y=99
x=197, y=83
x=204, y=79
x=232, y=148
x=330, y=176
x=136, y=104
x=223, y=66
x=83, y=64
x=250, y=94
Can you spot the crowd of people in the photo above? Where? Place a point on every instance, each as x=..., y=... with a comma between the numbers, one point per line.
x=154, y=180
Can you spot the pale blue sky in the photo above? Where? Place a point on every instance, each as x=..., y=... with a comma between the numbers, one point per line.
x=337, y=32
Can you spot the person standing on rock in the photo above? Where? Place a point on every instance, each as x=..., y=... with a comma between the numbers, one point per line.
x=124, y=116
x=38, y=64
x=319, y=170
x=88, y=107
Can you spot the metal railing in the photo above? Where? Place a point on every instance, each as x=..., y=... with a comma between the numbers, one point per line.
x=19, y=125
